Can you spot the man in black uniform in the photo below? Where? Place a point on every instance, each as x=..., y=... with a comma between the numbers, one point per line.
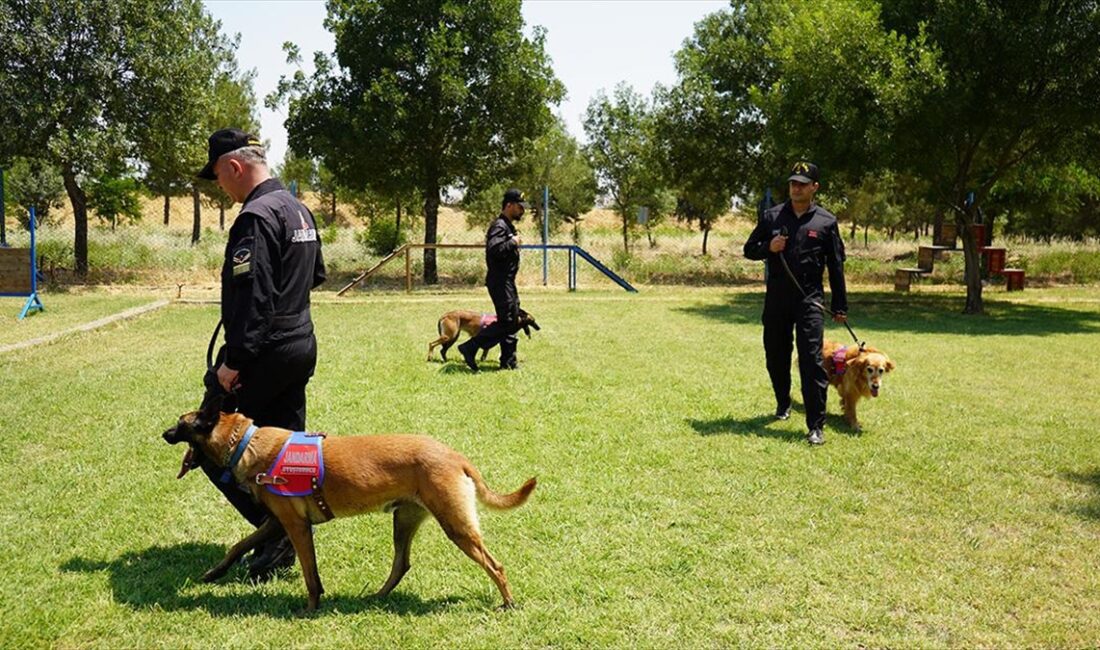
x=807, y=237
x=502, y=259
x=272, y=261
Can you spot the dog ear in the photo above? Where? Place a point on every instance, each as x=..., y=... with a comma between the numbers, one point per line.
x=890, y=365
x=210, y=411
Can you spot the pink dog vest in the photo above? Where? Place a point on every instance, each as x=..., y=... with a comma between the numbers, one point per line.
x=839, y=363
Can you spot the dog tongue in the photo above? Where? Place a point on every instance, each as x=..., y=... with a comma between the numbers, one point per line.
x=874, y=392
x=186, y=466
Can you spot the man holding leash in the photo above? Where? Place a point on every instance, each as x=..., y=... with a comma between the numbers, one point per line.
x=797, y=240
x=502, y=259
x=272, y=261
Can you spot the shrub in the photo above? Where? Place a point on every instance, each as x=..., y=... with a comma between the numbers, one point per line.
x=381, y=237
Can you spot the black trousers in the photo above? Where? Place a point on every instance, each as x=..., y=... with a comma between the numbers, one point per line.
x=506, y=302
x=272, y=392
x=782, y=315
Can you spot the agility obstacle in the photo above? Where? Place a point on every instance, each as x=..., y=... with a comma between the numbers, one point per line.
x=19, y=274
x=574, y=253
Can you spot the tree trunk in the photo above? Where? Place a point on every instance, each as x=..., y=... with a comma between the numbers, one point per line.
x=431, y=217
x=79, y=201
x=397, y=224
x=973, y=265
x=332, y=215
x=221, y=217
x=649, y=235
x=937, y=225
x=626, y=239
x=853, y=237
x=865, y=229
x=706, y=233
x=197, y=223
x=166, y=199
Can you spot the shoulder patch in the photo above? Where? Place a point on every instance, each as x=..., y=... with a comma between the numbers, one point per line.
x=242, y=255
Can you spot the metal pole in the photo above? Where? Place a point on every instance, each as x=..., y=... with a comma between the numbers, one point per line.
x=34, y=257
x=3, y=217
x=545, y=233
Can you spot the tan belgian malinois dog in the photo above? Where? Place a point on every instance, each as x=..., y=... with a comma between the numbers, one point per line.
x=408, y=475
x=465, y=320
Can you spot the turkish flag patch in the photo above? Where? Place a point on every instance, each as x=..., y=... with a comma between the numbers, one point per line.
x=811, y=234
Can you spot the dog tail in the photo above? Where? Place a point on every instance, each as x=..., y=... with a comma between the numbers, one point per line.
x=439, y=327
x=499, y=501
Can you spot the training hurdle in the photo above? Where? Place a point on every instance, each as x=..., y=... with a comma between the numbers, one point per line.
x=19, y=274
x=574, y=252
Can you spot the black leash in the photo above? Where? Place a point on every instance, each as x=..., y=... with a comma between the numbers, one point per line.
x=210, y=348
x=790, y=274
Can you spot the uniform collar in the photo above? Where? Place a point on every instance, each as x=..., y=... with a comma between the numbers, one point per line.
x=266, y=187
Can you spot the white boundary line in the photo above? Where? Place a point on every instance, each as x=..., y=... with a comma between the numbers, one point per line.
x=87, y=327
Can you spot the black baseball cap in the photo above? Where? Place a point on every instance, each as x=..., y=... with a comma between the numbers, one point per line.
x=804, y=172
x=515, y=196
x=221, y=143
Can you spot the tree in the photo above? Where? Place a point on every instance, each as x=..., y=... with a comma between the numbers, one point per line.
x=620, y=147
x=32, y=182
x=1020, y=85
x=114, y=194
x=554, y=160
x=232, y=103
x=86, y=80
x=428, y=94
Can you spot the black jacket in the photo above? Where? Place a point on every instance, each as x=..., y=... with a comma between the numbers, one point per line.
x=813, y=245
x=501, y=252
x=272, y=261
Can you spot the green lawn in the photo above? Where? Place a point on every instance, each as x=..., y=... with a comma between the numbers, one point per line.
x=64, y=311
x=670, y=512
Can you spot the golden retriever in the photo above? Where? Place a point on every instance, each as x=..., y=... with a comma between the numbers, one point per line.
x=855, y=372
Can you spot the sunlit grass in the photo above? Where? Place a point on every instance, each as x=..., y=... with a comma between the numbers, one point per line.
x=671, y=511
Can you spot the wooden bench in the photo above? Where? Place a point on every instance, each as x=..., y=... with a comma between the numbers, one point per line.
x=1014, y=279
x=948, y=236
x=903, y=277
x=994, y=258
x=927, y=255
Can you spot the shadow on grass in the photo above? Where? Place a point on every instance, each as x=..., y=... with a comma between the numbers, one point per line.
x=1091, y=508
x=928, y=314
x=758, y=426
x=167, y=577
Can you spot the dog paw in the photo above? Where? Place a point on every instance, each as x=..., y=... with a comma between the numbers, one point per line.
x=212, y=575
x=507, y=607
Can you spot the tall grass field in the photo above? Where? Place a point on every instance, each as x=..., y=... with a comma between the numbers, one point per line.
x=671, y=511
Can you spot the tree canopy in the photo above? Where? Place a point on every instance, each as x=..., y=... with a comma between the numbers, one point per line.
x=423, y=93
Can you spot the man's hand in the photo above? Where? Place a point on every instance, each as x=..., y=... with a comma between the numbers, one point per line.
x=778, y=243
x=840, y=317
x=228, y=378
x=519, y=240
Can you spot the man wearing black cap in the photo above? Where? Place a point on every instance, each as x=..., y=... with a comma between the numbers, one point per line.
x=805, y=237
x=272, y=261
x=502, y=259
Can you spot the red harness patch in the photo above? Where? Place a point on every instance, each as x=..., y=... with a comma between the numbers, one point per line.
x=839, y=362
x=300, y=464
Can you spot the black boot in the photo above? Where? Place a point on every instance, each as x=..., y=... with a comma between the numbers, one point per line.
x=469, y=352
x=508, y=354
x=270, y=558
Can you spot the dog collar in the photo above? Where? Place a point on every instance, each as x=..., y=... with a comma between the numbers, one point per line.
x=227, y=476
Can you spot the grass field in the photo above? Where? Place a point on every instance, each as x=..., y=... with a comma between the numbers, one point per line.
x=671, y=511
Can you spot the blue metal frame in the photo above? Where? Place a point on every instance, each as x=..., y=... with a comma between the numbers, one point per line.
x=574, y=251
x=34, y=303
